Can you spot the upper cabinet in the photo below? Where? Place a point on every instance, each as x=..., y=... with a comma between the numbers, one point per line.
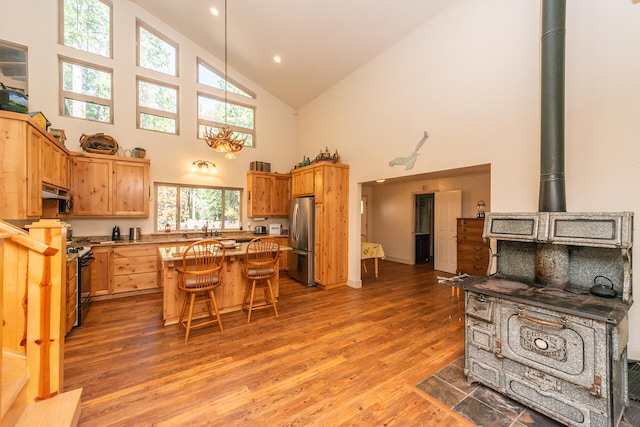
x=30, y=157
x=329, y=184
x=268, y=194
x=55, y=165
x=105, y=185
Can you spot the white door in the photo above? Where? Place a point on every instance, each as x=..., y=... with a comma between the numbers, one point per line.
x=364, y=224
x=448, y=207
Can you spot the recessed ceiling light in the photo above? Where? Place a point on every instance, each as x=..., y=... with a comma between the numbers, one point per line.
x=380, y=180
x=277, y=59
x=214, y=11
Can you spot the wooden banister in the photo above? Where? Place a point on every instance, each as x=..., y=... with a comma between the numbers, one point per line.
x=21, y=237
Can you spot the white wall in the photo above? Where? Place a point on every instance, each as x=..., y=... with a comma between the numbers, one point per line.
x=392, y=209
x=471, y=78
x=36, y=26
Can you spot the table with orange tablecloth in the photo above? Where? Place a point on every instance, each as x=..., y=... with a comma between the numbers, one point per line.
x=372, y=250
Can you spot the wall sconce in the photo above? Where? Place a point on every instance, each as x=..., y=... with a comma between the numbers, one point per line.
x=203, y=166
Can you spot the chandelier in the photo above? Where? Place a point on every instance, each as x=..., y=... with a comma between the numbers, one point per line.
x=224, y=139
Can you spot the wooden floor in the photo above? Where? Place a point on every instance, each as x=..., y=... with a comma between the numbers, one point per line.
x=341, y=357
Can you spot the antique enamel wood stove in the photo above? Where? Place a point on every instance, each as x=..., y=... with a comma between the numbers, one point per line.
x=535, y=331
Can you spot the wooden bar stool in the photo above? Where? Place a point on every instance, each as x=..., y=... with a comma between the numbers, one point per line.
x=198, y=276
x=258, y=267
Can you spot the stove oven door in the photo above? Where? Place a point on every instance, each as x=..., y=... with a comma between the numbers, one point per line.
x=561, y=345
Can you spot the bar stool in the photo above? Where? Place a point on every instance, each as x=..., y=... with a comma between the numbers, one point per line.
x=258, y=267
x=198, y=276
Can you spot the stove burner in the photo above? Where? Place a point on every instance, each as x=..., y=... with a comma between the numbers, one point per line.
x=74, y=250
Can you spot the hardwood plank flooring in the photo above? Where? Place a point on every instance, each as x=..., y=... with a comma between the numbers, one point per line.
x=340, y=357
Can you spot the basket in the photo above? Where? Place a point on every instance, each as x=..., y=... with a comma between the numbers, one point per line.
x=99, y=143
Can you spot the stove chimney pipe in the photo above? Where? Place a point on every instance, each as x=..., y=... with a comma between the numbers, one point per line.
x=552, y=185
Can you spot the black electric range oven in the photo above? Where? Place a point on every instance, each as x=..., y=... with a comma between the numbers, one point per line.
x=83, y=285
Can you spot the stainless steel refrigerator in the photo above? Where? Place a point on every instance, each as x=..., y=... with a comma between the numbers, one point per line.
x=301, y=232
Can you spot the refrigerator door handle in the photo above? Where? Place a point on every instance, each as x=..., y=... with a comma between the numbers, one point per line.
x=296, y=222
x=299, y=252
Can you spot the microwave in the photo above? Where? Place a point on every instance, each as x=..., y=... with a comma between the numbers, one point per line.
x=275, y=229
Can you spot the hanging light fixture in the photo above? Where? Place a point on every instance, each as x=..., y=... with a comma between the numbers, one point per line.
x=203, y=166
x=225, y=140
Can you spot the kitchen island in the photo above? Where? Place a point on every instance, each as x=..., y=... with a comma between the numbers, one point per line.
x=229, y=295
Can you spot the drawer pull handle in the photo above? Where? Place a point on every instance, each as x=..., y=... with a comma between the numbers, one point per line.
x=541, y=322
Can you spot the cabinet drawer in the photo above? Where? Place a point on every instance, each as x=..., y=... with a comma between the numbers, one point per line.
x=71, y=286
x=135, y=282
x=135, y=251
x=473, y=249
x=140, y=264
x=474, y=269
x=72, y=268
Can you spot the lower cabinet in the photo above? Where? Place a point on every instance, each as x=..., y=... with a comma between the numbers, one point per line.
x=124, y=269
x=282, y=262
x=102, y=271
x=135, y=268
x=71, y=294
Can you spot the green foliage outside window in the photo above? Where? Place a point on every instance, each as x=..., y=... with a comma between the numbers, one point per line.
x=156, y=54
x=196, y=207
x=87, y=26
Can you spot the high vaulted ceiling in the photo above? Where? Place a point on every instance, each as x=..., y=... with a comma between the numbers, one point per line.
x=320, y=41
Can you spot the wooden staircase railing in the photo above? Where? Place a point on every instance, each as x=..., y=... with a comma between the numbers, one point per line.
x=32, y=308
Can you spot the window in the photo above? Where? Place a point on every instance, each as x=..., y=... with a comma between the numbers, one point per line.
x=13, y=66
x=86, y=91
x=157, y=106
x=86, y=25
x=213, y=113
x=156, y=52
x=238, y=112
x=189, y=208
x=209, y=76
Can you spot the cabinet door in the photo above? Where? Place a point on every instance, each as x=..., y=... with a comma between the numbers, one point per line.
x=261, y=192
x=102, y=271
x=131, y=187
x=280, y=205
x=302, y=182
x=92, y=186
x=55, y=169
x=34, y=174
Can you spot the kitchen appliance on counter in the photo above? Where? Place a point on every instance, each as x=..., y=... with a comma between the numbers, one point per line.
x=301, y=232
x=115, y=233
x=275, y=229
x=135, y=233
x=260, y=229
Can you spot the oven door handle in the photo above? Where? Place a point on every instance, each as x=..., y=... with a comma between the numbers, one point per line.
x=86, y=261
x=541, y=322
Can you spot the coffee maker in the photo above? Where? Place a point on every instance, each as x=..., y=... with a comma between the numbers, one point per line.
x=115, y=233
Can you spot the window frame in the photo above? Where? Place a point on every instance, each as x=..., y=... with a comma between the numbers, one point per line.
x=141, y=24
x=179, y=187
x=109, y=4
x=152, y=111
x=231, y=98
x=65, y=94
x=210, y=123
x=200, y=61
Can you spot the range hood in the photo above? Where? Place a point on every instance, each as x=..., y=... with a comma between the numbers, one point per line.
x=54, y=193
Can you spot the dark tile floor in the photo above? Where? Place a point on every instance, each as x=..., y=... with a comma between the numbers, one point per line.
x=482, y=405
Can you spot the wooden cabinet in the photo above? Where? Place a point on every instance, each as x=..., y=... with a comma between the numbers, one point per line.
x=282, y=261
x=302, y=183
x=124, y=269
x=268, y=194
x=108, y=186
x=135, y=268
x=473, y=254
x=55, y=165
x=329, y=184
x=71, y=293
x=102, y=271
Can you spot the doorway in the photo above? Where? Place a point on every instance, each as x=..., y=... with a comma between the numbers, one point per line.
x=423, y=230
